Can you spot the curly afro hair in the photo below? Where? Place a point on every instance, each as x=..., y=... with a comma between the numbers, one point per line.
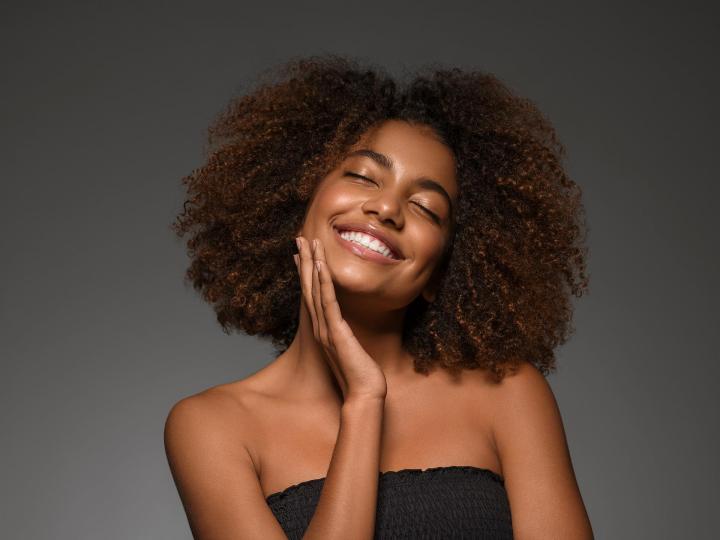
x=518, y=250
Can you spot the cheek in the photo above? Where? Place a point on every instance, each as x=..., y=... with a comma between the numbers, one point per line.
x=428, y=247
x=427, y=254
x=331, y=199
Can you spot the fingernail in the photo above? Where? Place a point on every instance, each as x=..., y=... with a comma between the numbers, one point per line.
x=317, y=265
x=297, y=241
x=315, y=244
x=295, y=258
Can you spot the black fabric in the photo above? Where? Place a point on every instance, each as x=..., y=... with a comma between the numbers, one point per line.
x=459, y=501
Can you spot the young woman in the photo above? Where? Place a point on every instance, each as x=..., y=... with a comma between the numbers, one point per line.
x=436, y=242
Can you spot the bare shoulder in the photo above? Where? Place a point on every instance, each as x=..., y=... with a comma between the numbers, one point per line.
x=225, y=413
x=231, y=415
x=530, y=438
x=526, y=383
x=213, y=406
x=207, y=439
x=525, y=413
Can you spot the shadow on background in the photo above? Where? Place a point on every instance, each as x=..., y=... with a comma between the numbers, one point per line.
x=104, y=109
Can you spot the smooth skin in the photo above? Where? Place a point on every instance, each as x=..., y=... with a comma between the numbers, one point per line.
x=343, y=402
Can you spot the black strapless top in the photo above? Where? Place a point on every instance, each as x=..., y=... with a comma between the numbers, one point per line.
x=458, y=501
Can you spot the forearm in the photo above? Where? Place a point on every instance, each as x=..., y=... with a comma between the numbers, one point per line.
x=348, y=500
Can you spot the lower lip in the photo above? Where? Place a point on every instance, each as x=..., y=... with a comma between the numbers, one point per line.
x=362, y=251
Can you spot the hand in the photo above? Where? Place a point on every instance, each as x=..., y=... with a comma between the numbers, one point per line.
x=358, y=375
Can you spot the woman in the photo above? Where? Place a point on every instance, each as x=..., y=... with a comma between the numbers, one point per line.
x=438, y=243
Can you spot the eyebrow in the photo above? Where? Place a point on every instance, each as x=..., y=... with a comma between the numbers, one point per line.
x=387, y=163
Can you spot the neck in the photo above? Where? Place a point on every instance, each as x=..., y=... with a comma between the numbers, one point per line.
x=379, y=333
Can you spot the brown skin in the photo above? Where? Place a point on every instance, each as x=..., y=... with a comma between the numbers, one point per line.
x=482, y=304
x=424, y=421
x=503, y=295
x=339, y=330
x=373, y=296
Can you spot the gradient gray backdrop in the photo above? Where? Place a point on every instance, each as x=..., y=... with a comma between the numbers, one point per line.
x=104, y=109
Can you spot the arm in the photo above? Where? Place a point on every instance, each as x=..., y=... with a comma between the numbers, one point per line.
x=545, y=500
x=220, y=490
x=347, y=505
x=213, y=470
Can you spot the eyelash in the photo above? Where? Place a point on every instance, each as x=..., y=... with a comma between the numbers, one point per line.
x=434, y=216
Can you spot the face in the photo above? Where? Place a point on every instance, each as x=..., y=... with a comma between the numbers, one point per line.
x=398, y=185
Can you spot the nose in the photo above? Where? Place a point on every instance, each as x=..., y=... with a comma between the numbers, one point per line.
x=387, y=206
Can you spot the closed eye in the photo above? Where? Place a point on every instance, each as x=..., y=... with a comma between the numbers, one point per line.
x=432, y=214
x=356, y=175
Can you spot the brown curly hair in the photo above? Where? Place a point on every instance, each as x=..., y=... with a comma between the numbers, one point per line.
x=518, y=250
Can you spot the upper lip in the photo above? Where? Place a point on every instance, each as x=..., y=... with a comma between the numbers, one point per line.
x=372, y=230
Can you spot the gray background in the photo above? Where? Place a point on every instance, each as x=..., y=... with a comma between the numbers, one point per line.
x=103, y=110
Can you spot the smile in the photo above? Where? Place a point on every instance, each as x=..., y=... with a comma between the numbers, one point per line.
x=365, y=246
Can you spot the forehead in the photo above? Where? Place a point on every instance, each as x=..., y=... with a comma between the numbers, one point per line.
x=414, y=150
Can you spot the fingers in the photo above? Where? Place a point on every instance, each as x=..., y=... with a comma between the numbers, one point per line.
x=319, y=293
x=331, y=314
x=319, y=263
x=305, y=264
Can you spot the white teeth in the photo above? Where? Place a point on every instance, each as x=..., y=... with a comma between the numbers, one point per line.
x=367, y=241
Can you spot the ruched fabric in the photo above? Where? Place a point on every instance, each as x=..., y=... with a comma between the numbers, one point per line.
x=459, y=501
